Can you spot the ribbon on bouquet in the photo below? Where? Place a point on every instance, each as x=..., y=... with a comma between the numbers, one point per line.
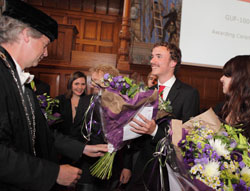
x=170, y=168
x=160, y=157
x=87, y=125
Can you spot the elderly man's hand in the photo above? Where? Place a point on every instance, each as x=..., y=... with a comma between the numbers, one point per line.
x=68, y=175
x=95, y=150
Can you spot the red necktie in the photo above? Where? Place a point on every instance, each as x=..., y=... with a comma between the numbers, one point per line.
x=161, y=88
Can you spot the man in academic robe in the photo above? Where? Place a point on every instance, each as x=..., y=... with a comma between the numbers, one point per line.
x=27, y=146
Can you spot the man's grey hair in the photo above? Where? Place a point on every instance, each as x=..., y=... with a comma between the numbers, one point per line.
x=10, y=28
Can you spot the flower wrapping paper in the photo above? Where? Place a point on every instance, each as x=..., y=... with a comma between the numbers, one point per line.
x=208, y=117
x=118, y=110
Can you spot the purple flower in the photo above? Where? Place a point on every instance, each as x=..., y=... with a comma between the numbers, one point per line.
x=120, y=79
x=112, y=84
x=191, y=144
x=117, y=84
x=119, y=87
x=57, y=114
x=202, y=161
x=222, y=167
x=189, y=161
x=127, y=85
x=240, y=187
x=215, y=155
x=44, y=104
x=199, y=145
x=233, y=144
x=182, y=143
x=235, y=155
x=225, y=133
x=206, y=147
x=106, y=76
x=42, y=97
x=242, y=164
x=222, y=184
x=209, y=137
x=189, y=154
x=115, y=79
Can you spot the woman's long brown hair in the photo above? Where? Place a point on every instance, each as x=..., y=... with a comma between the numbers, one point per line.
x=237, y=103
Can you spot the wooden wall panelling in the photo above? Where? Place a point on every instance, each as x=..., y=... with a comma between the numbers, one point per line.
x=77, y=22
x=206, y=80
x=107, y=31
x=75, y=5
x=50, y=3
x=35, y=2
x=107, y=35
x=95, y=30
x=89, y=48
x=90, y=29
x=61, y=48
x=104, y=49
x=60, y=18
x=114, y=7
x=90, y=59
x=53, y=79
x=63, y=4
x=102, y=6
x=88, y=6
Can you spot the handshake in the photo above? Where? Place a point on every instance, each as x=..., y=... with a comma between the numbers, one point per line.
x=69, y=175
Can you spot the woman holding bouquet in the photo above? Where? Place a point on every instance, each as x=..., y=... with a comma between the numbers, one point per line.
x=94, y=135
x=236, y=87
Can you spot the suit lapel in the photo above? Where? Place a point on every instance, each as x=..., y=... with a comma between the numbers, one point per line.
x=174, y=91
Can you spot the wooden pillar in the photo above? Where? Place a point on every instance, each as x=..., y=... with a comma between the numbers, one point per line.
x=123, y=53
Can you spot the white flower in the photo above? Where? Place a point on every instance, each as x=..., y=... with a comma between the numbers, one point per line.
x=211, y=169
x=232, y=166
x=196, y=168
x=245, y=171
x=219, y=147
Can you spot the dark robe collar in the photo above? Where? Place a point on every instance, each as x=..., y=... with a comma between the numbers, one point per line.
x=6, y=56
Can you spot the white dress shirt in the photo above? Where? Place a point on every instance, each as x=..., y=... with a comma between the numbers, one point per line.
x=25, y=77
x=168, y=85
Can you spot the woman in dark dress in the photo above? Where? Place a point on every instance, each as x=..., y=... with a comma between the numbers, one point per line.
x=68, y=102
x=236, y=87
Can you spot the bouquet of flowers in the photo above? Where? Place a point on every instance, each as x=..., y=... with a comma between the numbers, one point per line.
x=47, y=104
x=121, y=100
x=217, y=157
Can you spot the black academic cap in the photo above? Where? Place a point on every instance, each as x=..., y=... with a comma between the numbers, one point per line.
x=34, y=17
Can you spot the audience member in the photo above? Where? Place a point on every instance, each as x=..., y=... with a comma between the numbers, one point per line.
x=28, y=147
x=68, y=102
x=166, y=59
x=152, y=80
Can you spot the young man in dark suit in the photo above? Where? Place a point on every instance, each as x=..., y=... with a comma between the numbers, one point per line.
x=165, y=61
